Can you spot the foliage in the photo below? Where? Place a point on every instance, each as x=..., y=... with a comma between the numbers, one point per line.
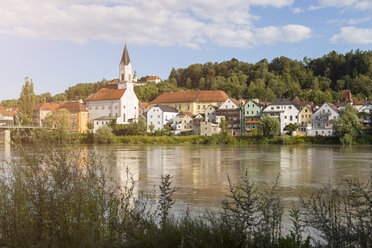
x=58, y=119
x=55, y=197
x=104, y=135
x=12, y=103
x=224, y=127
x=341, y=216
x=165, y=199
x=347, y=125
x=26, y=103
x=270, y=126
x=291, y=127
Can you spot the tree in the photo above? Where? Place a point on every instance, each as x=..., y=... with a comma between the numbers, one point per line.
x=224, y=127
x=57, y=119
x=270, y=126
x=26, y=103
x=291, y=127
x=347, y=126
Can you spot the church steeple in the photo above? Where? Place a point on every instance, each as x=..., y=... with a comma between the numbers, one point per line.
x=125, y=68
x=125, y=58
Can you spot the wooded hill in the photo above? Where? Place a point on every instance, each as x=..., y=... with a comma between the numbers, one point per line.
x=282, y=77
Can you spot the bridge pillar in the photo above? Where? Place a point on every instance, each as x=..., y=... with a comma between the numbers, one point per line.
x=5, y=136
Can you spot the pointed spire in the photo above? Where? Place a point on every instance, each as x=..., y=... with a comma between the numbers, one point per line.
x=125, y=58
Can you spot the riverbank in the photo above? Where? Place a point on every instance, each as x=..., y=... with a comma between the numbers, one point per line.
x=58, y=136
x=218, y=139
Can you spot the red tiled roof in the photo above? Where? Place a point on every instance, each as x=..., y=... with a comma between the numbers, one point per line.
x=192, y=96
x=185, y=113
x=361, y=102
x=346, y=96
x=50, y=106
x=5, y=112
x=333, y=106
x=106, y=94
x=74, y=107
x=143, y=104
x=153, y=77
x=264, y=104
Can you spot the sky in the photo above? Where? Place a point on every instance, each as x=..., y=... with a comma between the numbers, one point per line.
x=59, y=43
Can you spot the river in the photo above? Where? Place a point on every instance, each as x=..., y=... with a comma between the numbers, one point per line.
x=200, y=171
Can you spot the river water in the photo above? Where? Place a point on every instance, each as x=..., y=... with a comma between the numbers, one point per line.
x=200, y=171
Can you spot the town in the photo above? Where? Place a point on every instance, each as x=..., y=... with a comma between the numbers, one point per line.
x=186, y=113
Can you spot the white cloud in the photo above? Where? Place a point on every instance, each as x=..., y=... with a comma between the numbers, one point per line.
x=353, y=35
x=359, y=20
x=363, y=5
x=160, y=22
x=297, y=10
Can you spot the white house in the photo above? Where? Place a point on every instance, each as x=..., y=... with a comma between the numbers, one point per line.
x=323, y=120
x=154, y=79
x=182, y=122
x=285, y=110
x=159, y=116
x=116, y=102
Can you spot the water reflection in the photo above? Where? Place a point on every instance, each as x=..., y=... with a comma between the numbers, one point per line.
x=201, y=170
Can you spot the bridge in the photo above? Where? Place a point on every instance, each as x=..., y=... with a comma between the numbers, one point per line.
x=5, y=132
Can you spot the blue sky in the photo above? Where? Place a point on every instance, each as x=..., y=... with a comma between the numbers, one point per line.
x=58, y=43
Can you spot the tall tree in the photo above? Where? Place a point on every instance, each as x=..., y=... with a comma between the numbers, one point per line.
x=26, y=102
x=347, y=126
x=270, y=126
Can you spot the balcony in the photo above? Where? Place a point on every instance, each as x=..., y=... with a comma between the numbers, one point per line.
x=252, y=122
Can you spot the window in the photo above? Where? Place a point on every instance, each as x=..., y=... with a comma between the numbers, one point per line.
x=306, y=110
x=203, y=106
x=285, y=117
x=179, y=106
x=122, y=77
x=198, y=106
x=188, y=106
x=272, y=108
x=277, y=107
x=302, y=116
x=290, y=107
x=290, y=117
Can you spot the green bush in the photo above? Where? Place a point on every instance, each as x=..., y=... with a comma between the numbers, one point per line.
x=104, y=135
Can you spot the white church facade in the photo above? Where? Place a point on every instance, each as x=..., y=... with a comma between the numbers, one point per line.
x=115, y=102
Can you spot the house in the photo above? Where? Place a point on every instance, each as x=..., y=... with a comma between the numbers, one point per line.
x=7, y=117
x=305, y=120
x=365, y=116
x=191, y=101
x=41, y=110
x=359, y=104
x=159, y=116
x=78, y=116
x=210, y=113
x=182, y=123
x=323, y=120
x=117, y=101
x=209, y=128
x=285, y=110
x=250, y=116
x=154, y=79
x=230, y=110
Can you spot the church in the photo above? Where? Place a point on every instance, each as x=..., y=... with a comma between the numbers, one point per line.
x=115, y=102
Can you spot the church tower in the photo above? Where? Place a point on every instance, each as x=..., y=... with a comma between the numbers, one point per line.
x=126, y=77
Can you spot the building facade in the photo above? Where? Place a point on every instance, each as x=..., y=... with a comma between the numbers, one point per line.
x=286, y=111
x=191, y=101
x=230, y=110
x=251, y=113
x=323, y=120
x=78, y=116
x=159, y=116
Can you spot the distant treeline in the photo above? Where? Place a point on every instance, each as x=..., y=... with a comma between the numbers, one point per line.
x=282, y=77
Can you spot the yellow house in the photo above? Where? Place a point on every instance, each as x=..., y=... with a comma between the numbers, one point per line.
x=191, y=101
x=304, y=120
x=78, y=116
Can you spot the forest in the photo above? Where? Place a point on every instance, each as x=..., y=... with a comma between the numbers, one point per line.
x=318, y=80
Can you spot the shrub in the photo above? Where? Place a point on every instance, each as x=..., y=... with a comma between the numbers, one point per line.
x=104, y=135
